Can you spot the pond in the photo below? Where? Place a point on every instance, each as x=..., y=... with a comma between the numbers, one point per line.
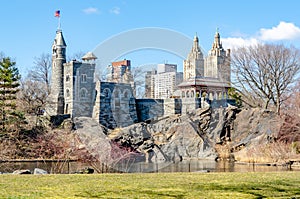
x=138, y=167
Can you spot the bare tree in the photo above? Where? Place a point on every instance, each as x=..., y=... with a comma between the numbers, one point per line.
x=42, y=69
x=76, y=56
x=266, y=72
x=33, y=95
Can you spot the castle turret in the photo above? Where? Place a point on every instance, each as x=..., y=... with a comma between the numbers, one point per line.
x=57, y=83
x=194, y=64
x=217, y=63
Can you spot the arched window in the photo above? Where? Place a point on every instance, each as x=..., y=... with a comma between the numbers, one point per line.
x=116, y=93
x=83, y=93
x=183, y=94
x=67, y=78
x=106, y=93
x=68, y=93
x=192, y=93
x=188, y=94
x=126, y=94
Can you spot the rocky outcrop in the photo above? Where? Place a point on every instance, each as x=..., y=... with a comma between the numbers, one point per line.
x=255, y=126
x=178, y=137
x=252, y=129
x=201, y=134
x=92, y=137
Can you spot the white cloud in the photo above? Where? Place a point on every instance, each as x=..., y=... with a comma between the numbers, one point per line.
x=283, y=31
x=91, y=10
x=115, y=10
x=232, y=42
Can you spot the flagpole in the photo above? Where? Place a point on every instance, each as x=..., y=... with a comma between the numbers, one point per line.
x=59, y=26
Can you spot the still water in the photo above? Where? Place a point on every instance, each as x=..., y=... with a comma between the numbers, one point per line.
x=142, y=167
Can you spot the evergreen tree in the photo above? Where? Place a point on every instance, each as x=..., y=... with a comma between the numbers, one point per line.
x=10, y=118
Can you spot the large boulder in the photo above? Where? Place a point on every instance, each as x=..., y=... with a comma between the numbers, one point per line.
x=22, y=171
x=92, y=137
x=38, y=171
x=178, y=137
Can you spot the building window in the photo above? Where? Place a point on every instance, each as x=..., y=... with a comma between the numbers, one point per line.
x=67, y=109
x=125, y=94
x=106, y=93
x=83, y=78
x=68, y=93
x=83, y=93
x=67, y=78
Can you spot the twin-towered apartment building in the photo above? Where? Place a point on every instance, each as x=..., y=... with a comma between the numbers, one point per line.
x=202, y=76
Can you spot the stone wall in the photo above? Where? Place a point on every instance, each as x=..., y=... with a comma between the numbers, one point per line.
x=172, y=106
x=190, y=104
x=117, y=105
x=154, y=108
x=149, y=108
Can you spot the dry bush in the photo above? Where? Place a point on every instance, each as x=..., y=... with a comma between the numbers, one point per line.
x=224, y=151
x=55, y=144
x=276, y=152
x=116, y=156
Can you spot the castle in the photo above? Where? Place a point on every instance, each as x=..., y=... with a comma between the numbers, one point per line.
x=76, y=92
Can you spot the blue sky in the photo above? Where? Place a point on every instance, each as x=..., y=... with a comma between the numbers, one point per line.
x=28, y=26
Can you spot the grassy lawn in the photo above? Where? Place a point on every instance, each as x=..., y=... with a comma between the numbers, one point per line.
x=153, y=185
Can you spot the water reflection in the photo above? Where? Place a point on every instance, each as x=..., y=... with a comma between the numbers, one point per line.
x=142, y=167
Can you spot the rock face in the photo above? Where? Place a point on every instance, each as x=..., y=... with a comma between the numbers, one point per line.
x=92, y=137
x=178, y=137
x=252, y=126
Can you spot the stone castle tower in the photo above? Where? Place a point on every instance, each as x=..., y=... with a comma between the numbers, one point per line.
x=217, y=63
x=56, y=98
x=79, y=86
x=194, y=64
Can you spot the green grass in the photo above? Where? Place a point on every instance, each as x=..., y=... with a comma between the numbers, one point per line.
x=153, y=185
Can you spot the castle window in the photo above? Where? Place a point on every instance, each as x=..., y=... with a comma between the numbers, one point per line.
x=83, y=93
x=106, y=93
x=67, y=78
x=83, y=78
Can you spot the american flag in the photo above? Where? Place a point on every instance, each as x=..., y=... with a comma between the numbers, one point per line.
x=57, y=13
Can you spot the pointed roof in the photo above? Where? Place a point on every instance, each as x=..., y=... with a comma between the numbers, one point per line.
x=196, y=52
x=89, y=56
x=59, y=38
x=217, y=48
x=217, y=42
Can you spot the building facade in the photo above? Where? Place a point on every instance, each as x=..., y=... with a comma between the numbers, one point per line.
x=163, y=81
x=207, y=77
